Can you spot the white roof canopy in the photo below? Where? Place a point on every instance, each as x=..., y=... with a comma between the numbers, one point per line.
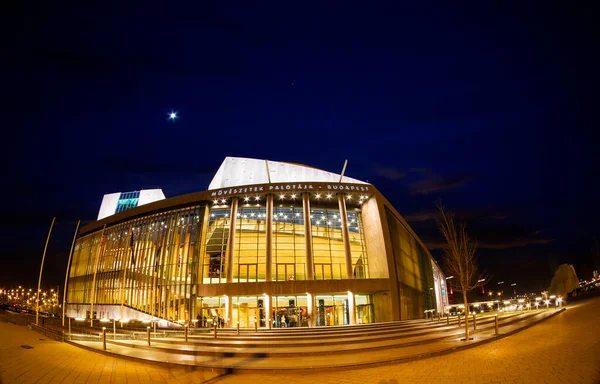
x=238, y=171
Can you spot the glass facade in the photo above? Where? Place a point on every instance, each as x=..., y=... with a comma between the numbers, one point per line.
x=413, y=271
x=148, y=264
x=157, y=265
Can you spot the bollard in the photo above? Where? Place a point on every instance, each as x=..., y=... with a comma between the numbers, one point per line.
x=154, y=328
x=104, y=338
x=238, y=328
x=215, y=330
x=439, y=317
x=270, y=323
x=115, y=329
x=186, y=333
x=474, y=322
x=447, y=318
x=496, y=323
x=459, y=319
x=255, y=325
x=148, y=332
x=69, y=328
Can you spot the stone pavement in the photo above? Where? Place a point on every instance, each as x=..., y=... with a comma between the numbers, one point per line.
x=563, y=349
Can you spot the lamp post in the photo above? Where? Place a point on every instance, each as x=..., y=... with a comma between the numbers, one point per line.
x=64, y=307
x=449, y=289
x=37, y=302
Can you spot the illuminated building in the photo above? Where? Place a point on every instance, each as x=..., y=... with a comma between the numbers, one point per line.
x=268, y=241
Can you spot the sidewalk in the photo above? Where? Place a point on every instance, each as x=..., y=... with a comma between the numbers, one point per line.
x=562, y=349
x=234, y=355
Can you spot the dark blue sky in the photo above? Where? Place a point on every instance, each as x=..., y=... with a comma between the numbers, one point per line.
x=487, y=107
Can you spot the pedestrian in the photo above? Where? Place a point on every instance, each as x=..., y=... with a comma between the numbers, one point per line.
x=283, y=324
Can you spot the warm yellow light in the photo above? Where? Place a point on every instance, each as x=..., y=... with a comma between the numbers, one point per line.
x=281, y=197
x=293, y=195
x=246, y=198
x=318, y=195
x=329, y=195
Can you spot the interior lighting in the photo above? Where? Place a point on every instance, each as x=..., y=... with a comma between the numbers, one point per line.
x=246, y=198
x=329, y=195
x=318, y=196
x=223, y=201
x=282, y=196
x=257, y=198
x=293, y=195
x=349, y=197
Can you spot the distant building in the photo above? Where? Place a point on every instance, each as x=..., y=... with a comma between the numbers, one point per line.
x=121, y=201
x=268, y=241
x=564, y=281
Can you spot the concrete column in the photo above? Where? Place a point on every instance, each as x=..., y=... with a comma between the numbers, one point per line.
x=345, y=235
x=228, y=310
x=231, y=241
x=269, y=238
x=267, y=306
x=310, y=305
x=310, y=269
x=351, y=308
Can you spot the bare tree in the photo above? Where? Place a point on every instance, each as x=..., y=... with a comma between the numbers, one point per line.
x=460, y=259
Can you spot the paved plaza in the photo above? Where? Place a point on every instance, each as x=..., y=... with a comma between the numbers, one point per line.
x=562, y=349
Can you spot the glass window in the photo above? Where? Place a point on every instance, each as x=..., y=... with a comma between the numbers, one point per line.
x=289, y=246
x=328, y=244
x=217, y=236
x=250, y=248
x=357, y=246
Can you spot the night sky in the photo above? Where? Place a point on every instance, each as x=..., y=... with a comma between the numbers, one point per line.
x=486, y=106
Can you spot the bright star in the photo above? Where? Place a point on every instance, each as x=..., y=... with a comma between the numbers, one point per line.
x=172, y=116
